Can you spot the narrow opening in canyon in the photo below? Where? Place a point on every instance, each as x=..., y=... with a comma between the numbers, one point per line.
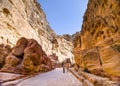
x=73, y=42
x=64, y=17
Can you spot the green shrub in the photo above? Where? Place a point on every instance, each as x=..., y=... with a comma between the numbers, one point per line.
x=116, y=47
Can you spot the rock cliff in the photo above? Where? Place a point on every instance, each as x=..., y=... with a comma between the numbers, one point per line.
x=25, y=18
x=97, y=46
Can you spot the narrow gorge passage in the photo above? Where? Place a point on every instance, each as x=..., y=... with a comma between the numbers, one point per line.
x=32, y=52
x=55, y=77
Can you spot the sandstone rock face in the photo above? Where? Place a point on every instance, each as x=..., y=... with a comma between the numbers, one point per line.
x=27, y=57
x=4, y=51
x=64, y=50
x=33, y=57
x=20, y=46
x=25, y=18
x=55, y=62
x=97, y=45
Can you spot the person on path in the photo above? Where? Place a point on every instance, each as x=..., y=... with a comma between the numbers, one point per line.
x=63, y=65
x=67, y=66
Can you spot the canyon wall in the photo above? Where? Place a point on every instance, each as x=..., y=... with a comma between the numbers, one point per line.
x=25, y=18
x=97, y=46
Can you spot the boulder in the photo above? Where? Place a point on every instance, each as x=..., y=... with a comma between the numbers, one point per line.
x=34, y=56
x=4, y=51
x=11, y=62
x=54, y=61
x=27, y=57
x=21, y=44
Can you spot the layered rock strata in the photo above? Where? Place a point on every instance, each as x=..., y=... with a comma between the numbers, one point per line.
x=25, y=18
x=97, y=46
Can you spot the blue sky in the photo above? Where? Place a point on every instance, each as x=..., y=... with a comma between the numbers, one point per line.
x=64, y=16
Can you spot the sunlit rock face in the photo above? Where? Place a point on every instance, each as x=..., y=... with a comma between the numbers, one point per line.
x=64, y=50
x=26, y=57
x=97, y=46
x=25, y=18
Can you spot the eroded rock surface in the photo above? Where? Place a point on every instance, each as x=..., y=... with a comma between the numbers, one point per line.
x=25, y=18
x=27, y=57
x=97, y=46
x=4, y=51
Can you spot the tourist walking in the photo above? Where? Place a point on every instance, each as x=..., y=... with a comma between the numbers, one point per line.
x=63, y=65
x=67, y=66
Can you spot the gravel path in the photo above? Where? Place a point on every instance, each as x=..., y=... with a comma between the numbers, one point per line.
x=55, y=77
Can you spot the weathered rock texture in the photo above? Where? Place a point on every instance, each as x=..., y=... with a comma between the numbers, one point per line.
x=4, y=51
x=27, y=57
x=55, y=62
x=97, y=46
x=25, y=18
